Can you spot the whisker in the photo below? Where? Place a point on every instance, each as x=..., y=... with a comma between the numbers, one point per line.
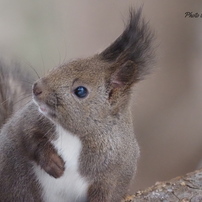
x=22, y=99
x=31, y=83
x=63, y=62
x=35, y=71
x=27, y=63
x=23, y=106
x=51, y=135
x=2, y=103
x=43, y=62
x=48, y=131
x=10, y=98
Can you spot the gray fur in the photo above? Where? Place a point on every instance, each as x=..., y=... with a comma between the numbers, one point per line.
x=25, y=141
x=15, y=89
x=102, y=121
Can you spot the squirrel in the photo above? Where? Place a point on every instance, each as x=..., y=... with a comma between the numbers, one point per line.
x=74, y=141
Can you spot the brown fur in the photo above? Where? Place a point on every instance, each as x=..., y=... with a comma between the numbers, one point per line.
x=102, y=121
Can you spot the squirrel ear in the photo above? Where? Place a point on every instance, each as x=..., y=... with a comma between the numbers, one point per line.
x=122, y=78
x=131, y=54
x=125, y=75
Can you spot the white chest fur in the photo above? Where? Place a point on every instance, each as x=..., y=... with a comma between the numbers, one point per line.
x=71, y=187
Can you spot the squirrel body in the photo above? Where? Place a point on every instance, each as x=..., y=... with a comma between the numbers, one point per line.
x=75, y=140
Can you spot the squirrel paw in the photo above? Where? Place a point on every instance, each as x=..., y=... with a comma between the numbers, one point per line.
x=47, y=157
x=55, y=166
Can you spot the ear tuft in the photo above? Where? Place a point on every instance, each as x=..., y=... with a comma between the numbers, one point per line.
x=132, y=52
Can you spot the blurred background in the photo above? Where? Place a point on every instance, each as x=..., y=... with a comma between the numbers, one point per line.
x=167, y=106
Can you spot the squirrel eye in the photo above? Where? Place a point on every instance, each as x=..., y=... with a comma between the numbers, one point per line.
x=81, y=92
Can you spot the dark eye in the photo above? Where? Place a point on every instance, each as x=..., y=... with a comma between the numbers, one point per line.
x=81, y=92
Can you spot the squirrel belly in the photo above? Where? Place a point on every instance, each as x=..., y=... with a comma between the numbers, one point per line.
x=71, y=186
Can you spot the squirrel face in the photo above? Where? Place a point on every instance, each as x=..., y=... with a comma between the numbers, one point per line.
x=76, y=94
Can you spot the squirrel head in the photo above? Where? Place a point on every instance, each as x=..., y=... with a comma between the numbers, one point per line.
x=85, y=92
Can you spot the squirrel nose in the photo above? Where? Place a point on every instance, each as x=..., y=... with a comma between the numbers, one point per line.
x=36, y=89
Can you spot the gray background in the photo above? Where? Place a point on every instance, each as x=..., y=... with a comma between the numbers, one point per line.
x=167, y=106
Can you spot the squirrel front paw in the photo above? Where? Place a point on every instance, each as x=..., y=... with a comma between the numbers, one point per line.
x=47, y=157
x=55, y=165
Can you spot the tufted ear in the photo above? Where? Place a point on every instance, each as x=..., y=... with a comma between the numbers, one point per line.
x=131, y=54
x=124, y=75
